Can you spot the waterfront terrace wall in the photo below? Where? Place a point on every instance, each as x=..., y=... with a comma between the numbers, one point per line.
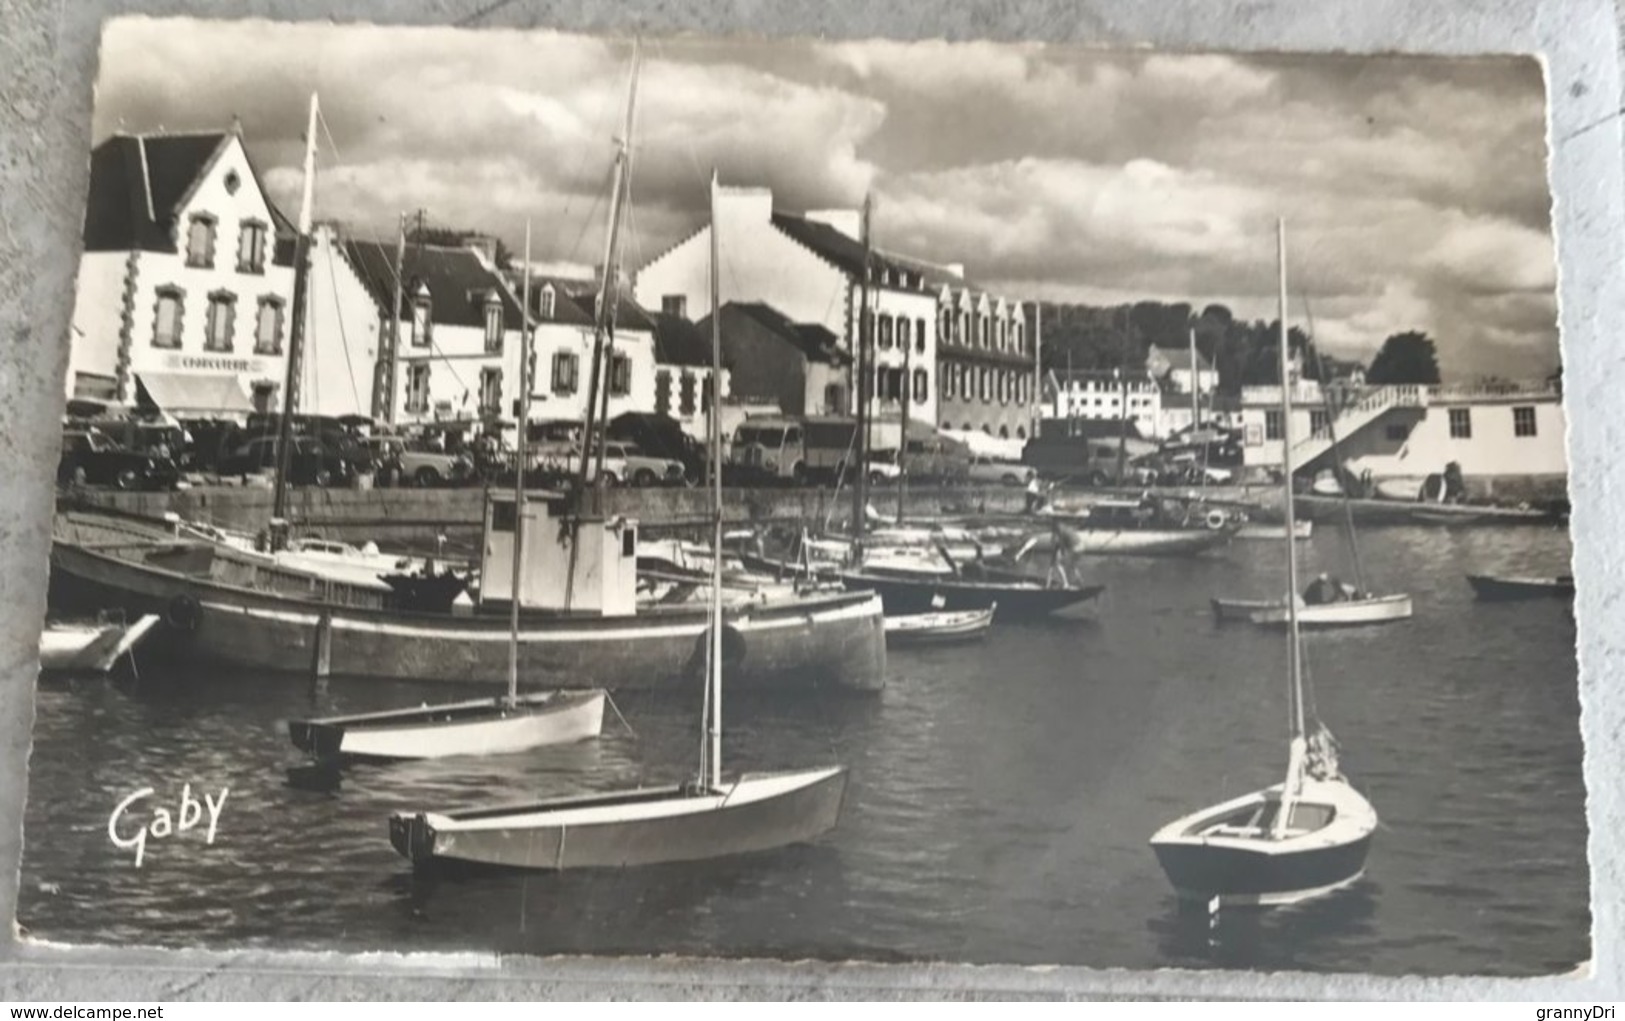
x=420, y=515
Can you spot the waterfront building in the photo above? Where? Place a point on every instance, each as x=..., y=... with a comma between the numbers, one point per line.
x=924, y=318
x=801, y=368
x=186, y=279
x=683, y=367
x=1181, y=377
x=1507, y=438
x=1105, y=395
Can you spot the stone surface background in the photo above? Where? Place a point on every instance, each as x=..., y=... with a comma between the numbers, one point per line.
x=48, y=55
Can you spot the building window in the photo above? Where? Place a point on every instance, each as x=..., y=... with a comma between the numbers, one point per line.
x=566, y=370
x=705, y=394
x=1020, y=327
x=417, y=387
x=885, y=332
x=493, y=325
x=1272, y=424
x=490, y=391
x=200, y=242
x=548, y=301
x=984, y=384
x=1397, y=432
x=1461, y=423
x=685, y=394
x=1021, y=432
x=251, y=247
x=1004, y=432
x=675, y=305
x=835, y=399
x=976, y=331
x=663, y=392
x=1317, y=421
x=620, y=375
x=922, y=386
x=222, y=318
x=919, y=336
x=1523, y=421
x=903, y=327
x=961, y=327
x=944, y=325
x=268, y=327
x=166, y=327
x=422, y=321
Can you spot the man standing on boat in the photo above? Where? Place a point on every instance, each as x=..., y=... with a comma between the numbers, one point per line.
x=1326, y=589
x=1035, y=494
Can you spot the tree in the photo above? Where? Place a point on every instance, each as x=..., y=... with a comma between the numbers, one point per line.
x=1408, y=357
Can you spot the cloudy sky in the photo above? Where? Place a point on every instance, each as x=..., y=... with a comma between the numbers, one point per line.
x=1414, y=189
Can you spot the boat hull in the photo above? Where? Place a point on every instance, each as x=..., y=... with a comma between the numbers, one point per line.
x=1412, y=512
x=821, y=641
x=1493, y=589
x=484, y=727
x=1184, y=542
x=756, y=813
x=1351, y=613
x=1203, y=865
x=939, y=628
x=904, y=596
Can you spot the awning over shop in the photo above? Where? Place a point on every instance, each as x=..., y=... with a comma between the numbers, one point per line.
x=191, y=394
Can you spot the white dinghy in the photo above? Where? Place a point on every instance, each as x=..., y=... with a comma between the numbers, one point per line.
x=90, y=648
x=940, y=626
x=709, y=818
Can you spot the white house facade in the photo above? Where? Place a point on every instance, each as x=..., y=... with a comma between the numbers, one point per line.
x=1105, y=395
x=184, y=293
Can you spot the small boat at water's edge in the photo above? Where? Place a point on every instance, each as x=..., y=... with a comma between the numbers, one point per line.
x=68, y=647
x=492, y=726
x=1495, y=588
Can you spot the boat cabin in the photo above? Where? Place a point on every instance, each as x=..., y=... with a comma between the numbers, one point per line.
x=600, y=579
x=1258, y=819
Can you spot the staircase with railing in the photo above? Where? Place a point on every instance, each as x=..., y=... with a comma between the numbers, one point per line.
x=1354, y=416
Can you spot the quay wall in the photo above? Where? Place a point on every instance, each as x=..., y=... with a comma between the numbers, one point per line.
x=420, y=515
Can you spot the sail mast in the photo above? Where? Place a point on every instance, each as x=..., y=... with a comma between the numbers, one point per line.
x=715, y=428
x=608, y=294
x=522, y=414
x=1294, y=661
x=296, y=330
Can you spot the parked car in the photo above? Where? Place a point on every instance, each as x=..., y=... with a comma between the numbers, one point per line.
x=429, y=468
x=90, y=458
x=662, y=436
x=989, y=470
x=310, y=462
x=625, y=463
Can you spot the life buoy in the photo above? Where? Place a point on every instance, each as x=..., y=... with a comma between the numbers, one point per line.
x=1216, y=519
x=184, y=613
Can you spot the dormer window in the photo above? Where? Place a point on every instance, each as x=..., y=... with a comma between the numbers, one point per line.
x=422, y=318
x=493, y=324
x=200, y=242
x=549, y=301
x=251, y=247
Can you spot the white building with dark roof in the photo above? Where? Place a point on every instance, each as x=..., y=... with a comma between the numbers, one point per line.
x=183, y=293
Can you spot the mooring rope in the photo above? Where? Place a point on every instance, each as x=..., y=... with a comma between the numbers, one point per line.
x=611, y=700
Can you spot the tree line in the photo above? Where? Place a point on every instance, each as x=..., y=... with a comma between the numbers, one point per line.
x=1244, y=353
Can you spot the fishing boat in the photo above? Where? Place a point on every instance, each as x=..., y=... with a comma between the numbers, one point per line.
x=708, y=818
x=1504, y=588
x=1304, y=837
x=1379, y=512
x=939, y=626
x=90, y=647
x=513, y=723
x=1145, y=528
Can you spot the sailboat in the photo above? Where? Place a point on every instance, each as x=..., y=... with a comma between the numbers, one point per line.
x=1304, y=837
x=706, y=818
x=1334, y=605
x=491, y=726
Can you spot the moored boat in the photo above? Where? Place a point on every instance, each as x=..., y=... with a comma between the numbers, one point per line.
x=491, y=726
x=1371, y=609
x=1145, y=528
x=1497, y=588
x=90, y=647
x=939, y=626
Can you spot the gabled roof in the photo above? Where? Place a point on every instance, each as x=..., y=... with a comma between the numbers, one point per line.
x=458, y=282
x=813, y=340
x=126, y=169
x=846, y=253
x=681, y=342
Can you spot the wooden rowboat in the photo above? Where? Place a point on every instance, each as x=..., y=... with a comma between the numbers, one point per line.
x=1347, y=613
x=492, y=726
x=90, y=647
x=939, y=626
x=1492, y=588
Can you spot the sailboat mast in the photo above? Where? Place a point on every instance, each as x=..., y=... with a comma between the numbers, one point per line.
x=1196, y=389
x=715, y=429
x=1294, y=662
x=296, y=330
x=864, y=390
x=907, y=396
x=522, y=415
x=608, y=295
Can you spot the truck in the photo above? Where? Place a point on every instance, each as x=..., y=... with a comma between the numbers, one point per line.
x=804, y=450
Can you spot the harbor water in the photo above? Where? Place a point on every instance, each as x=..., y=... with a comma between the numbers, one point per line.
x=1001, y=798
